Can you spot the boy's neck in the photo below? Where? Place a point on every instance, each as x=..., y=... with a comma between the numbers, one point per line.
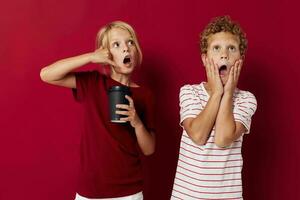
x=123, y=79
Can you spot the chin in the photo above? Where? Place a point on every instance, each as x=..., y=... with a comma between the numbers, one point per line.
x=127, y=71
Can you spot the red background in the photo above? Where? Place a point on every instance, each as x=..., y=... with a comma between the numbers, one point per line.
x=39, y=139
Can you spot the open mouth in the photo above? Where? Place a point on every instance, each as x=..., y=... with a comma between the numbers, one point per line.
x=222, y=69
x=126, y=60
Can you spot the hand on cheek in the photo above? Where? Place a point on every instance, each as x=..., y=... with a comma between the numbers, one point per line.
x=233, y=77
x=213, y=76
x=102, y=56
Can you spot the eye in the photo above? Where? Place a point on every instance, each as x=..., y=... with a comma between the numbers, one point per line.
x=130, y=42
x=216, y=48
x=231, y=48
x=115, y=45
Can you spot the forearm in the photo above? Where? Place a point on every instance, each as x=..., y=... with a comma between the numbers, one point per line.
x=225, y=124
x=145, y=139
x=61, y=68
x=201, y=126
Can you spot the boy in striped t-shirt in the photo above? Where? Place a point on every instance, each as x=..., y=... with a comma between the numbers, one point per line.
x=214, y=115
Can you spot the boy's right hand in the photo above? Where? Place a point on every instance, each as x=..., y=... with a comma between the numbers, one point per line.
x=213, y=77
x=102, y=56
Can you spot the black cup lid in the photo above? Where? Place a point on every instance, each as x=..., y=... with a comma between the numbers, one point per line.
x=119, y=88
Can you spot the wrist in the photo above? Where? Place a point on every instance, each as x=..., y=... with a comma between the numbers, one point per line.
x=228, y=95
x=138, y=125
x=91, y=57
x=217, y=94
x=230, y=89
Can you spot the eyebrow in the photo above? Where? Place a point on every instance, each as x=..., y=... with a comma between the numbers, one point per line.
x=114, y=40
x=228, y=45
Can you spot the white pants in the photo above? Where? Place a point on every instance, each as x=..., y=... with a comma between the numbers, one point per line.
x=137, y=196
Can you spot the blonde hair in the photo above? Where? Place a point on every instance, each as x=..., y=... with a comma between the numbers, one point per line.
x=102, y=36
x=223, y=24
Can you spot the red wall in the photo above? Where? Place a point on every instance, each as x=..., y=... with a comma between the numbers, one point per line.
x=39, y=138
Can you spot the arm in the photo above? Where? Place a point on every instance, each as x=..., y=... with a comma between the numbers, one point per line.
x=145, y=138
x=227, y=130
x=199, y=128
x=60, y=72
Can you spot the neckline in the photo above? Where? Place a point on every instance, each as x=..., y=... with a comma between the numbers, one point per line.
x=131, y=87
x=203, y=88
x=205, y=91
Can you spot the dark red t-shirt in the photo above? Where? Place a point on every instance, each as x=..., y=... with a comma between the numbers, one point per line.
x=110, y=155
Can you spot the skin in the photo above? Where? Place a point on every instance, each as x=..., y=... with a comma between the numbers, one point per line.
x=223, y=47
x=121, y=44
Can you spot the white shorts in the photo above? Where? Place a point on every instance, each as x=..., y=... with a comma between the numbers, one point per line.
x=137, y=196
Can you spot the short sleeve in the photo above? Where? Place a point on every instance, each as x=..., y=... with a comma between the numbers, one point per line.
x=84, y=83
x=149, y=111
x=244, y=110
x=189, y=102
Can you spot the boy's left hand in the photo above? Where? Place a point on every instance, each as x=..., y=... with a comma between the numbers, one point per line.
x=130, y=111
x=233, y=78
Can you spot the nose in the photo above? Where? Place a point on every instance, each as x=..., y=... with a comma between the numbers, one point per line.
x=125, y=48
x=224, y=55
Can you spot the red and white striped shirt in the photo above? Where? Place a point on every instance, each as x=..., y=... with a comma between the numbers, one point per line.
x=207, y=171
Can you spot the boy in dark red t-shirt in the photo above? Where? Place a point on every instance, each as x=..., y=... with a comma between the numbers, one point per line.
x=110, y=161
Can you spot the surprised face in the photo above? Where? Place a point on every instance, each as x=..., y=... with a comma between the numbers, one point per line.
x=123, y=51
x=223, y=49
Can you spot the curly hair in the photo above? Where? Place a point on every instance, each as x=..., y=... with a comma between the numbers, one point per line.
x=223, y=24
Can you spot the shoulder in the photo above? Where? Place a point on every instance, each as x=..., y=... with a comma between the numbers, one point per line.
x=191, y=89
x=88, y=74
x=142, y=91
x=146, y=91
x=243, y=95
x=246, y=99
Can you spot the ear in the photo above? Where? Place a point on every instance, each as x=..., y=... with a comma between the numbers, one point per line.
x=203, y=58
x=243, y=57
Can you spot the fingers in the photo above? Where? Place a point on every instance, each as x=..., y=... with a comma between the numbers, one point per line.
x=102, y=50
x=123, y=106
x=126, y=107
x=207, y=66
x=126, y=119
x=103, y=55
x=211, y=68
x=128, y=111
x=216, y=69
x=231, y=75
x=131, y=104
x=237, y=70
x=123, y=112
x=107, y=57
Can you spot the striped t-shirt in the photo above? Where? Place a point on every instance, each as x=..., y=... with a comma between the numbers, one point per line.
x=207, y=171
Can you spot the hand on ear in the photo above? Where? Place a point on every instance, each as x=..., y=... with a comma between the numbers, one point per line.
x=102, y=56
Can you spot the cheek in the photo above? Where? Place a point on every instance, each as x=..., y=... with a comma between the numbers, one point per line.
x=236, y=55
x=135, y=55
x=114, y=56
x=212, y=55
x=136, y=58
